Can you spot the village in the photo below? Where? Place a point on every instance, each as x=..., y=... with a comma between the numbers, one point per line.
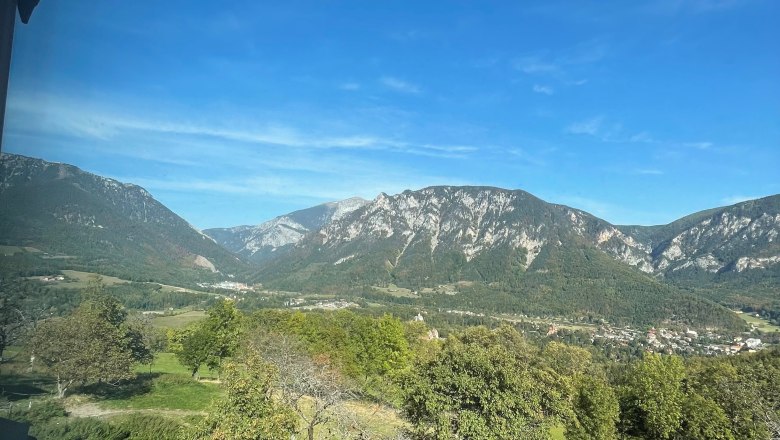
x=662, y=340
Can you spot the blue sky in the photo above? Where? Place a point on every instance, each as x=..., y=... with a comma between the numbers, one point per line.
x=234, y=112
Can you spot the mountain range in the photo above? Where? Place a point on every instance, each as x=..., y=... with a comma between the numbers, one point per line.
x=487, y=248
x=546, y=256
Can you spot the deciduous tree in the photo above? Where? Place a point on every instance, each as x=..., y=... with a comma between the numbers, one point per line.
x=82, y=347
x=248, y=411
x=653, y=397
x=211, y=340
x=310, y=386
x=480, y=385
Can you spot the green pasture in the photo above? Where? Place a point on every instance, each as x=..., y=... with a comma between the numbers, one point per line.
x=761, y=324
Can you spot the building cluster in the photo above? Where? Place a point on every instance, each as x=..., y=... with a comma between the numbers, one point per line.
x=464, y=313
x=676, y=341
x=227, y=285
x=335, y=304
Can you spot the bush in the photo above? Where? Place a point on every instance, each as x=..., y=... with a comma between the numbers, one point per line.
x=150, y=427
x=78, y=429
x=41, y=412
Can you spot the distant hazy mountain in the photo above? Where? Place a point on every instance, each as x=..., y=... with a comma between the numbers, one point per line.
x=102, y=224
x=552, y=257
x=263, y=241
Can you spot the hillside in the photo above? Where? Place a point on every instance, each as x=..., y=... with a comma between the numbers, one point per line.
x=82, y=221
x=731, y=253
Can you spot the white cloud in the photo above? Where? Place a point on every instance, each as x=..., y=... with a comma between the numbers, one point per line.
x=350, y=86
x=533, y=65
x=545, y=90
x=399, y=85
x=63, y=116
x=590, y=126
x=579, y=82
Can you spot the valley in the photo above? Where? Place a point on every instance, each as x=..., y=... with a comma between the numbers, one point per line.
x=337, y=314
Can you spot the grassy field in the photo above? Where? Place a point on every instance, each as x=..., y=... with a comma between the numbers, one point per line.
x=80, y=280
x=162, y=391
x=12, y=250
x=179, y=321
x=761, y=324
x=394, y=290
x=169, y=288
x=166, y=363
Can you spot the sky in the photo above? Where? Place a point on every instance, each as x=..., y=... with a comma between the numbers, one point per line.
x=235, y=112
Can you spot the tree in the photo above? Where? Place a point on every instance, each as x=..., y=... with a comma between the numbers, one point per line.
x=311, y=387
x=481, y=384
x=82, y=347
x=703, y=419
x=211, y=340
x=596, y=411
x=18, y=315
x=745, y=388
x=192, y=346
x=248, y=411
x=653, y=397
x=223, y=325
x=94, y=343
x=12, y=322
x=145, y=340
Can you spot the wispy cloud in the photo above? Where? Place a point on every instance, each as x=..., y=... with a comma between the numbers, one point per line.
x=674, y=7
x=697, y=145
x=79, y=119
x=367, y=184
x=350, y=86
x=614, y=132
x=568, y=65
x=648, y=172
x=526, y=157
x=399, y=85
x=591, y=127
x=545, y=90
x=534, y=65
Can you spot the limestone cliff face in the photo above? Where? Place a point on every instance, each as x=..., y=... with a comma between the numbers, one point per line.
x=722, y=241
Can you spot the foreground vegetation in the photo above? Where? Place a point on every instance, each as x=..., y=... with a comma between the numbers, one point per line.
x=344, y=374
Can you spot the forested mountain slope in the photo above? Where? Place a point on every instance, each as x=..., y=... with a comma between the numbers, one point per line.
x=98, y=224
